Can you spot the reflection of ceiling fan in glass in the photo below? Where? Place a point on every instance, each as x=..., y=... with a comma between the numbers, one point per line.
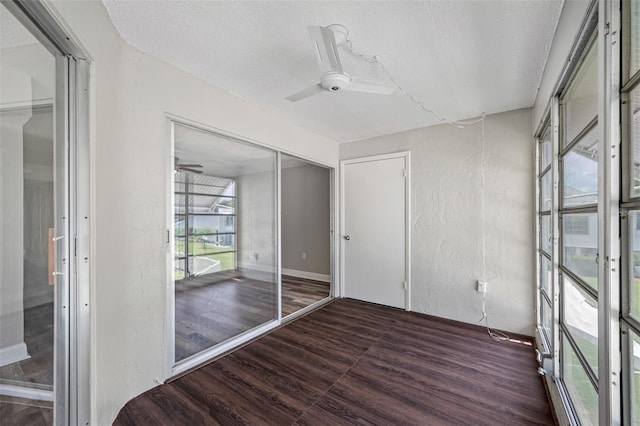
x=183, y=167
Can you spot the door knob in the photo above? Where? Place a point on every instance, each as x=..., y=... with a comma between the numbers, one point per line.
x=346, y=237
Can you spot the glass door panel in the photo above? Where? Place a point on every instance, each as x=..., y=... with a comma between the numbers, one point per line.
x=27, y=170
x=224, y=239
x=306, y=234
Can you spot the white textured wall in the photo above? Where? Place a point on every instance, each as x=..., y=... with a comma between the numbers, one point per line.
x=573, y=13
x=306, y=219
x=446, y=251
x=130, y=94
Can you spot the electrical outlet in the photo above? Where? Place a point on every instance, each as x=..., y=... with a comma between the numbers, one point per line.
x=482, y=287
x=304, y=256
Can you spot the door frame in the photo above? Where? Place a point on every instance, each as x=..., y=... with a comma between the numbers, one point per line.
x=406, y=155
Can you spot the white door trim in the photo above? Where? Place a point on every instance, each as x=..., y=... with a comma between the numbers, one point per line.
x=340, y=289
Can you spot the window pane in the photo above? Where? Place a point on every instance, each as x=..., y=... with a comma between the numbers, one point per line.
x=634, y=351
x=634, y=241
x=581, y=99
x=545, y=149
x=178, y=225
x=178, y=244
x=211, y=224
x=580, y=171
x=582, y=393
x=545, y=276
x=579, y=245
x=545, y=233
x=178, y=272
x=545, y=192
x=210, y=244
x=635, y=36
x=580, y=317
x=546, y=319
x=634, y=132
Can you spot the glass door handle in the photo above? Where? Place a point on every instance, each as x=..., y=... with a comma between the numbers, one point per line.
x=50, y=260
x=50, y=257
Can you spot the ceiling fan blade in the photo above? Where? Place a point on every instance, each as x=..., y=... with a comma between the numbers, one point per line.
x=371, y=86
x=190, y=165
x=324, y=41
x=309, y=91
x=190, y=170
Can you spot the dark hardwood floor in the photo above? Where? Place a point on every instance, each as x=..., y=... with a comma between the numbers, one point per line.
x=352, y=362
x=38, y=336
x=22, y=412
x=35, y=372
x=298, y=293
x=208, y=313
x=214, y=312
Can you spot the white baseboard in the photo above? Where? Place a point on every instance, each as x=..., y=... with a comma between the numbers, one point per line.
x=26, y=393
x=307, y=275
x=14, y=353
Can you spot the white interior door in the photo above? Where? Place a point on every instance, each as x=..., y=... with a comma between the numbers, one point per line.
x=375, y=232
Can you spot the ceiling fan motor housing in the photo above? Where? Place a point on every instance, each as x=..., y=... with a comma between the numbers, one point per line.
x=335, y=81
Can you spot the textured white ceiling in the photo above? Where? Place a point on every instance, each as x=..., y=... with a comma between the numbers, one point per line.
x=459, y=58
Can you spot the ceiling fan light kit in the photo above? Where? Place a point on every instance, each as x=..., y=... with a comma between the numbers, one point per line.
x=333, y=79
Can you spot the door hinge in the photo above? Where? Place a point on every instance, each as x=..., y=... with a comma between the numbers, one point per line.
x=404, y=173
x=404, y=285
x=168, y=236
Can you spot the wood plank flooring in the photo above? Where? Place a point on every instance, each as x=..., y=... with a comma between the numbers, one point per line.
x=38, y=336
x=208, y=313
x=298, y=293
x=21, y=412
x=352, y=362
x=35, y=372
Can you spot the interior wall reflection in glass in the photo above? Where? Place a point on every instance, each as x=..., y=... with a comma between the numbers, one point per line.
x=306, y=233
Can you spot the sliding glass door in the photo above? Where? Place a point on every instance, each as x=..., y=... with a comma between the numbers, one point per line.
x=29, y=190
x=44, y=220
x=224, y=239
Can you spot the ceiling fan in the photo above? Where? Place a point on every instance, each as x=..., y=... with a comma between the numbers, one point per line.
x=326, y=41
x=183, y=167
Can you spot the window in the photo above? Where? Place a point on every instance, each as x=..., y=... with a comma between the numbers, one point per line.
x=577, y=225
x=579, y=246
x=634, y=260
x=634, y=42
x=580, y=318
x=580, y=388
x=634, y=138
x=580, y=171
x=205, y=230
x=545, y=246
x=578, y=214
